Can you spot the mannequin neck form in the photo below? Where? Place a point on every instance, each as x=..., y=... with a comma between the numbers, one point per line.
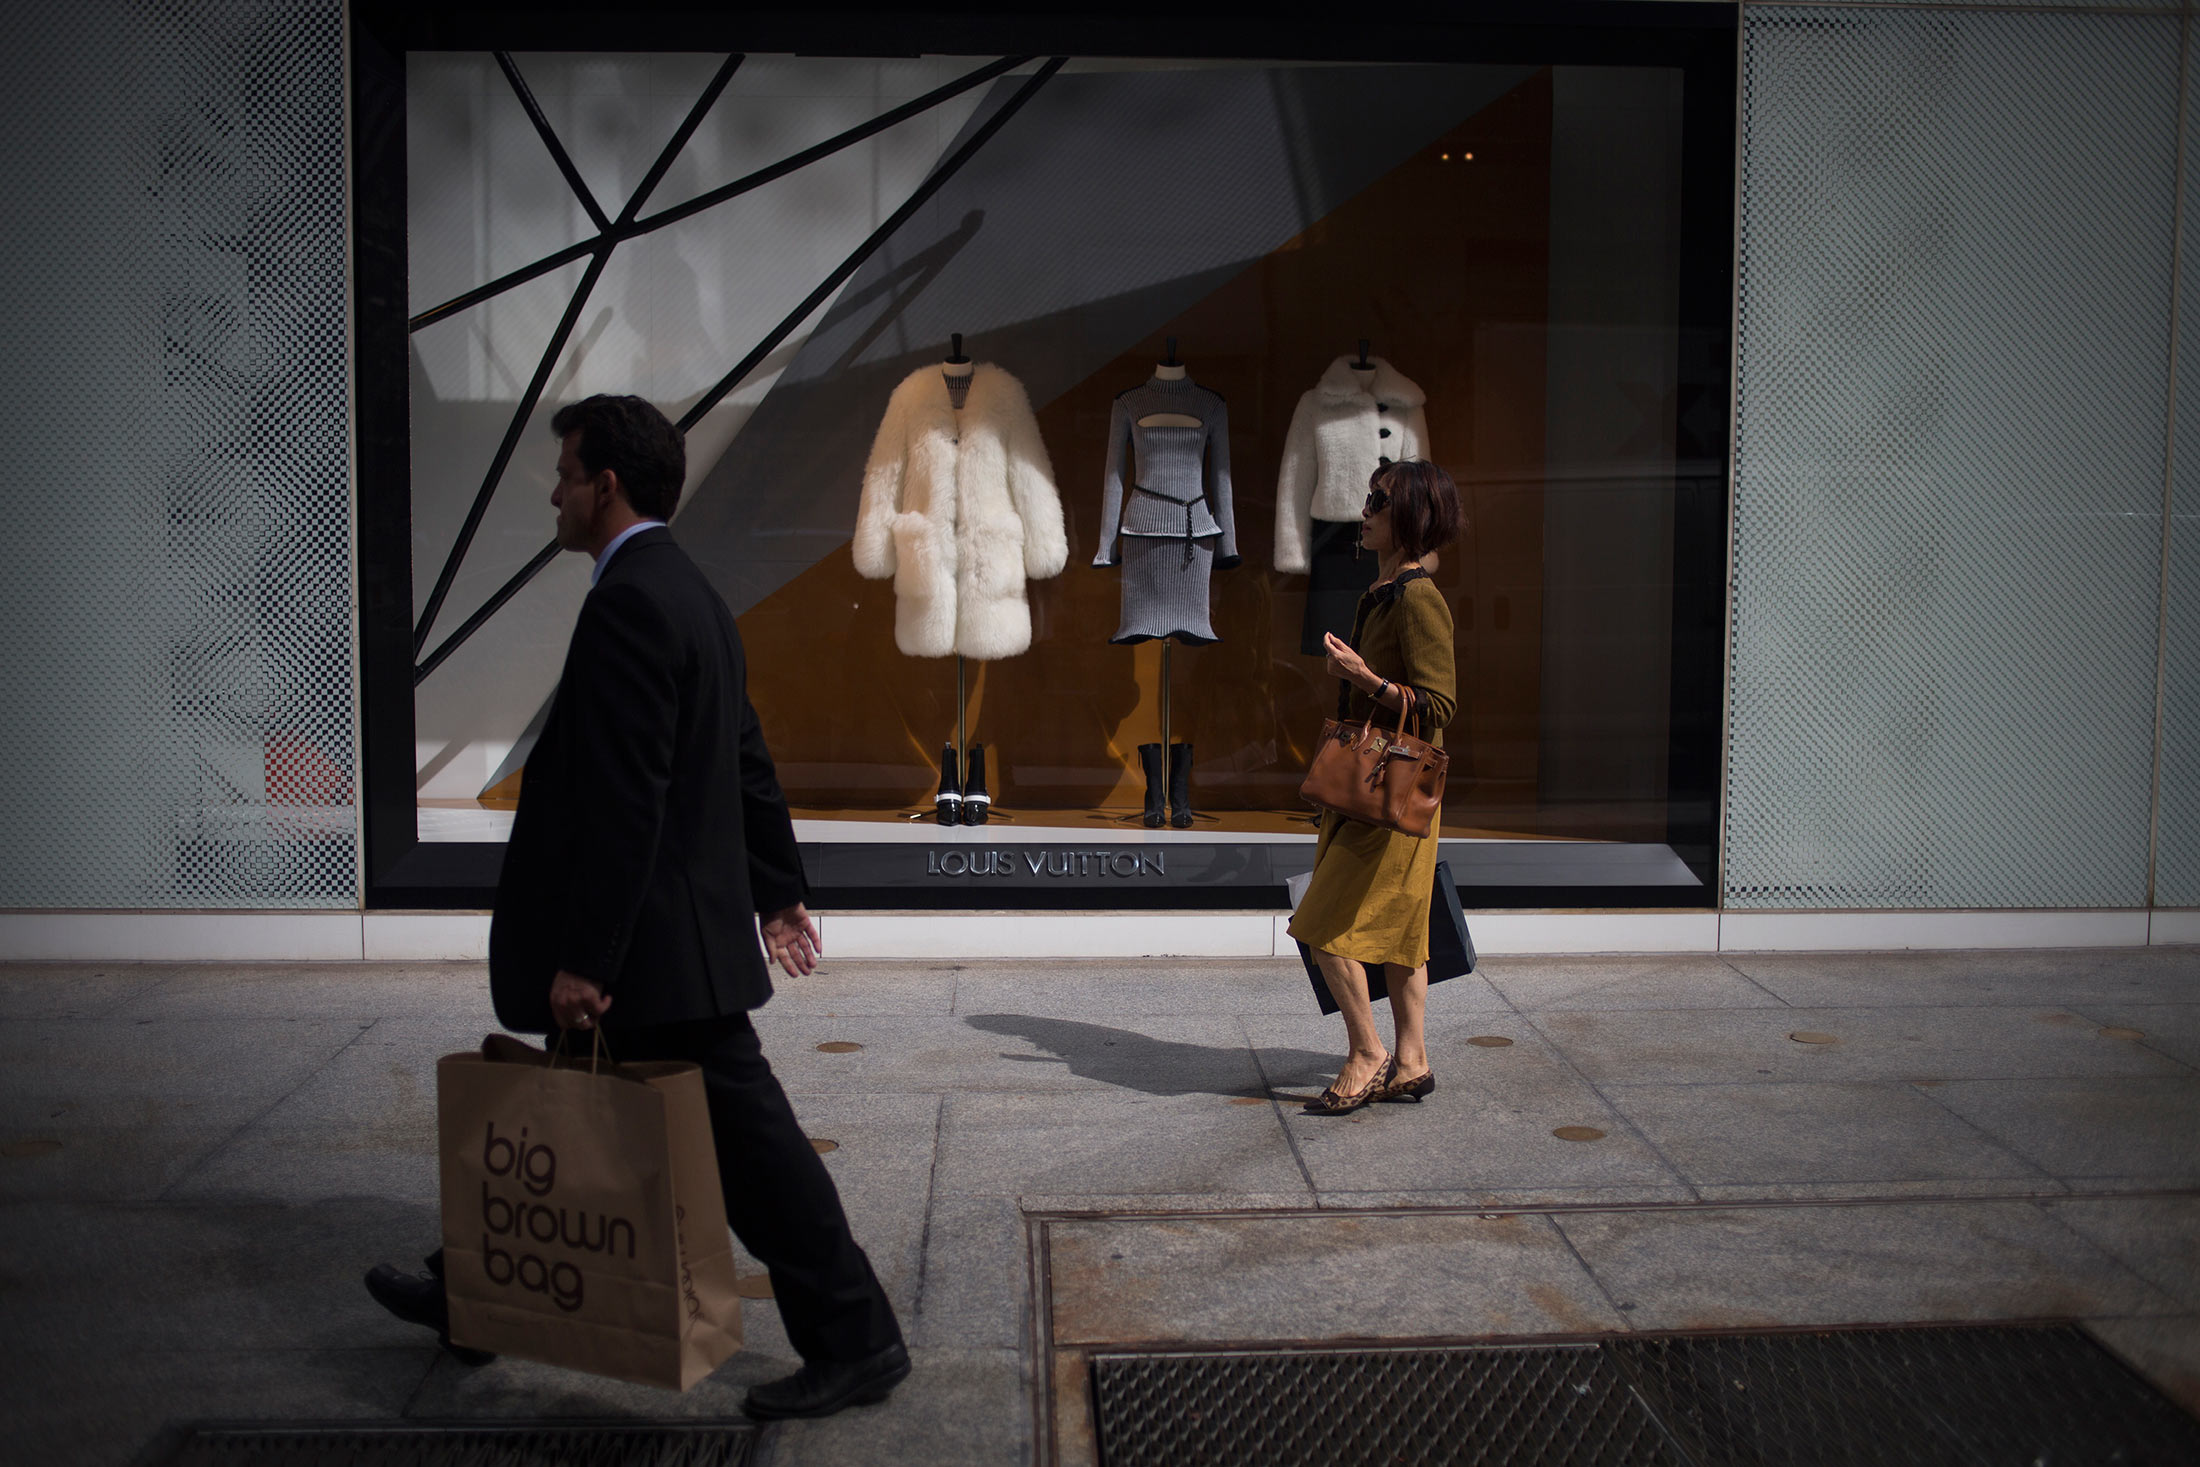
x=1166, y=373
x=958, y=369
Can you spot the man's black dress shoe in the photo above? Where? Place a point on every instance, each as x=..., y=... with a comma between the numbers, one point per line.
x=419, y=1299
x=822, y=1387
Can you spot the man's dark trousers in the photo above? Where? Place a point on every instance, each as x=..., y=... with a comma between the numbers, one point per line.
x=651, y=831
x=779, y=1199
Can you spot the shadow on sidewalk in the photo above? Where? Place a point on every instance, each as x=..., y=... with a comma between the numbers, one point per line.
x=1137, y=1061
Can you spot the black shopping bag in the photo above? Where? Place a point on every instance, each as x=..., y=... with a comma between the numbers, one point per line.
x=1450, y=946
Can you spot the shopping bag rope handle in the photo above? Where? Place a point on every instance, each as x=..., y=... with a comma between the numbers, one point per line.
x=597, y=1046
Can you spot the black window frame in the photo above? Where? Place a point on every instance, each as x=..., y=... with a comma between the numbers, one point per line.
x=1699, y=39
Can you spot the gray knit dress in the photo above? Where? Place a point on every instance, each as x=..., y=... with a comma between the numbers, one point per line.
x=1165, y=513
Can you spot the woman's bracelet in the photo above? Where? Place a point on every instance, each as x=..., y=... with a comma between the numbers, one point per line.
x=1383, y=691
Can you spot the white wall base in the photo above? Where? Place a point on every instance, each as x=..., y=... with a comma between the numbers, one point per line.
x=260, y=937
x=2168, y=925
x=425, y=937
x=179, y=937
x=1890, y=931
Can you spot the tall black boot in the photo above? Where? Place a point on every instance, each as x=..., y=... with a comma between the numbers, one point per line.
x=949, y=804
x=1180, y=786
x=1157, y=781
x=977, y=804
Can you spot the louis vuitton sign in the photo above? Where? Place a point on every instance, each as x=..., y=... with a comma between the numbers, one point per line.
x=1120, y=866
x=1120, y=862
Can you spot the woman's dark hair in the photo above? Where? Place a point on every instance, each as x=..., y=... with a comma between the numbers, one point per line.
x=1424, y=505
x=633, y=440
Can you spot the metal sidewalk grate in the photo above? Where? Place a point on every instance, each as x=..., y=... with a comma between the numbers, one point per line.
x=469, y=1444
x=1980, y=1396
x=1542, y=1405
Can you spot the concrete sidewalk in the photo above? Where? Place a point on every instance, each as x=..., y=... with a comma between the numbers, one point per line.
x=197, y=1164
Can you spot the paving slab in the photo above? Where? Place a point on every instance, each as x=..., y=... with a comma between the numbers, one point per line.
x=198, y=1072
x=975, y=1288
x=1832, y=1133
x=384, y=1081
x=1301, y=1053
x=509, y=1388
x=1107, y=989
x=2019, y=976
x=1714, y=1046
x=2133, y=1131
x=1528, y=1198
x=1479, y=1132
x=1156, y=1055
x=1006, y=1052
x=2157, y=1237
x=1690, y=981
x=1335, y=1277
x=859, y=990
x=57, y=1161
x=1111, y=1143
x=2172, y=1029
x=262, y=1164
x=212, y=1278
x=76, y=990
x=1874, y=1263
x=457, y=992
x=882, y=1166
x=1142, y=1203
x=959, y=1408
x=103, y=1409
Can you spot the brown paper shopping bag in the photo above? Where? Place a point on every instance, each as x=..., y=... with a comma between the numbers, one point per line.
x=582, y=1219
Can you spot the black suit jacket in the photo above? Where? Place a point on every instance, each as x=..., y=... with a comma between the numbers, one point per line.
x=651, y=829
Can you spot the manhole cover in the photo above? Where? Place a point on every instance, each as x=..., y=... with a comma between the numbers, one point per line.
x=1984, y=1394
x=838, y=1046
x=1490, y=1041
x=1813, y=1036
x=1578, y=1133
x=469, y=1444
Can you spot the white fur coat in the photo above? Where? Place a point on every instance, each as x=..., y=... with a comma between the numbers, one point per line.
x=960, y=509
x=1337, y=440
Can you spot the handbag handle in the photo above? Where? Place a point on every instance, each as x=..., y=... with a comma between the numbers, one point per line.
x=1406, y=698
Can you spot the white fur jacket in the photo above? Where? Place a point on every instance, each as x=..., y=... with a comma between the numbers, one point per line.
x=1347, y=425
x=960, y=509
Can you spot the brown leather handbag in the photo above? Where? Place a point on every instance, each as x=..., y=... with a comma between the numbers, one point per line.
x=1391, y=779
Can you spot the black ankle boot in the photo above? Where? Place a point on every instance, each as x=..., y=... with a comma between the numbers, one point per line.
x=948, y=807
x=1157, y=783
x=1180, y=786
x=977, y=804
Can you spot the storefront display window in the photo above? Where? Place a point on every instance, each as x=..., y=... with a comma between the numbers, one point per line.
x=1028, y=434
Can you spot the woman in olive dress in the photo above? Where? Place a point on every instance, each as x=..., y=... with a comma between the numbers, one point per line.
x=1368, y=901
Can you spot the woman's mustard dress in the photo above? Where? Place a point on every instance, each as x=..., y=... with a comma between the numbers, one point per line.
x=1369, y=897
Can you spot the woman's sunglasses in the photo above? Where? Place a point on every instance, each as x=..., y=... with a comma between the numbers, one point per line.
x=1378, y=500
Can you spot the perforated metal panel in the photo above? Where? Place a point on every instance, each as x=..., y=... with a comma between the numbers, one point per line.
x=175, y=622
x=1953, y=373
x=2177, y=860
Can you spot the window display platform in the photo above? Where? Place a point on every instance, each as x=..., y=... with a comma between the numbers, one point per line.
x=450, y=820
x=1110, y=859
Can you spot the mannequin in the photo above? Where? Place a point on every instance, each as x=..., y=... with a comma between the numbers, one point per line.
x=1361, y=414
x=958, y=370
x=1166, y=520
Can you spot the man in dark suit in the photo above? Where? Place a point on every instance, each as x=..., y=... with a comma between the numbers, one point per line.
x=650, y=836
